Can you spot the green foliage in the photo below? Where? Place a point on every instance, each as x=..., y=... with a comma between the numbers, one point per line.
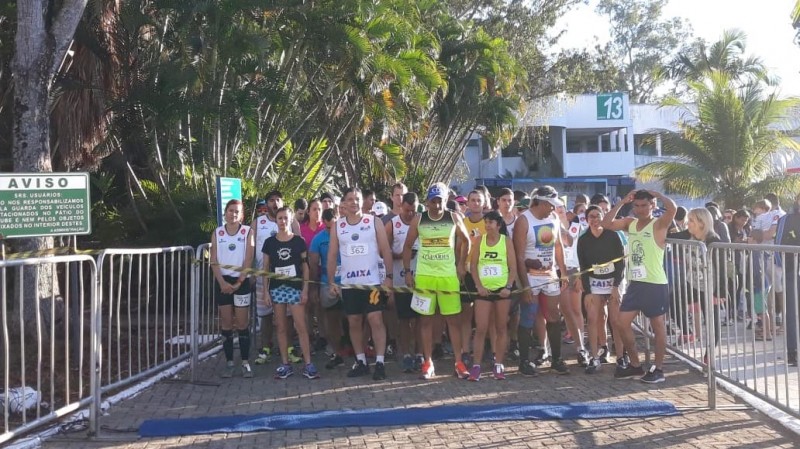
x=730, y=141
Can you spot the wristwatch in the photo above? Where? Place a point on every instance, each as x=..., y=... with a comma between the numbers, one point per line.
x=509, y=287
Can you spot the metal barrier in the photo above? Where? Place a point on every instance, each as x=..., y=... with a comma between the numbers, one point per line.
x=205, y=322
x=145, y=307
x=47, y=364
x=728, y=304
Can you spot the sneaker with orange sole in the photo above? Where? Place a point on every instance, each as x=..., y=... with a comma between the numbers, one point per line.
x=428, y=371
x=461, y=370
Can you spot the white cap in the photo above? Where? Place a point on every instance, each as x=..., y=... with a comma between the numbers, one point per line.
x=380, y=209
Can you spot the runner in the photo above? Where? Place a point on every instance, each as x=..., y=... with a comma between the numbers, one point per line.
x=264, y=227
x=331, y=305
x=493, y=269
x=573, y=311
x=398, y=190
x=233, y=244
x=439, y=269
x=595, y=249
x=647, y=291
x=397, y=231
x=537, y=244
x=476, y=228
x=285, y=255
x=361, y=244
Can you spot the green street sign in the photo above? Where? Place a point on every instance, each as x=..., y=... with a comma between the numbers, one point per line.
x=227, y=189
x=44, y=204
x=610, y=106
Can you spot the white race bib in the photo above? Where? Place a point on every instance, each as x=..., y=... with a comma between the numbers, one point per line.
x=421, y=304
x=606, y=268
x=241, y=300
x=286, y=271
x=638, y=272
x=491, y=271
x=601, y=286
x=357, y=249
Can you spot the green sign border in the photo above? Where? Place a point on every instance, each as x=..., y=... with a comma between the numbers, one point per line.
x=87, y=219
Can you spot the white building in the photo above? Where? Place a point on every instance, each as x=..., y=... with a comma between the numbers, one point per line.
x=579, y=144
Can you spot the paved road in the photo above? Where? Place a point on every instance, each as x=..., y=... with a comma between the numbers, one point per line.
x=732, y=425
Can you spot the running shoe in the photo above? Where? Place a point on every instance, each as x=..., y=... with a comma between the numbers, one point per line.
x=359, y=369
x=594, y=366
x=294, y=355
x=228, y=371
x=428, y=371
x=310, y=371
x=583, y=358
x=284, y=371
x=390, y=351
x=602, y=355
x=335, y=360
x=461, y=370
x=568, y=340
x=408, y=364
x=247, y=371
x=621, y=363
x=418, y=361
x=474, y=373
x=499, y=371
x=560, y=367
x=653, y=376
x=527, y=368
x=264, y=356
x=380, y=371
x=628, y=372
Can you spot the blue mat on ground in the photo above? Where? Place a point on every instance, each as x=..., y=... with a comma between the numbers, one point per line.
x=404, y=417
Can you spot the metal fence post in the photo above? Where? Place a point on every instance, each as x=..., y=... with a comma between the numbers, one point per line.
x=195, y=314
x=711, y=324
x=95, y=356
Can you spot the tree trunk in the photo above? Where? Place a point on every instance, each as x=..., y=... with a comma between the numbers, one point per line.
x=38, y=53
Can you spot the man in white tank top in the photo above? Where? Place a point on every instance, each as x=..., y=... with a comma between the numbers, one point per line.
x=264, y=226
x=397, y=231
x=361, y=242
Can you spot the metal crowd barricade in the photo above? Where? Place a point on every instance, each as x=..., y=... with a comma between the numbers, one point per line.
x=692, y=314
x=47, y=363
x=145, y=312
x=761, y=322
x=205, y=322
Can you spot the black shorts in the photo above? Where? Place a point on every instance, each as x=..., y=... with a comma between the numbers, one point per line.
x=227, y=299
x=402, y=302
x=468, y=286
x=494, y=295
x=359, y=302
x=650, y=299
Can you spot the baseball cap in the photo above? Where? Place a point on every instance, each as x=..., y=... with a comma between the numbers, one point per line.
x=326, y=196
x=549, y=194
x=460, y=199
x=380, y=209
x=437, y=190
x=261, y=203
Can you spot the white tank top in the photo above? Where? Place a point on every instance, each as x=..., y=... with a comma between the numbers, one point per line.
x=358, y=248
x=575, y=231
x=399, y=234
x=541, y=243
x=265, y=228
x=231, y=249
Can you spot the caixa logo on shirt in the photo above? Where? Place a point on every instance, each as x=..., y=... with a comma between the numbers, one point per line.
x=358, y=274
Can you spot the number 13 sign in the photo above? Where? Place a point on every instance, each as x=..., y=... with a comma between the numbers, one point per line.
x=610, y=106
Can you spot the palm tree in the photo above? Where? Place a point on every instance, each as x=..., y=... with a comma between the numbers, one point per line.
x=726, y=55
x=728, y=143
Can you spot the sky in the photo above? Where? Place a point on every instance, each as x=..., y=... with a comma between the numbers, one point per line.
x=766, y=22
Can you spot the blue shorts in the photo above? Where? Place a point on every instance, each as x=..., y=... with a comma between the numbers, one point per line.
x=651, y=299
x=527, y=314
x=285, y=295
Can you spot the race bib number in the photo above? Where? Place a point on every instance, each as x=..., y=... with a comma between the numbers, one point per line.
x=601, y=286
x=491, y=271
x=606, y=268
x=286, y=271
x=421, y=304
x=638, y=272
x=241, y=300
x=357, y=249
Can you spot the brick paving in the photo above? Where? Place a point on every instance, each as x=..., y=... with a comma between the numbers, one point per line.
x=731, y=425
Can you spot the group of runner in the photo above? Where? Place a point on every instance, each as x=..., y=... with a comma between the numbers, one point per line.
x=500, y=279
